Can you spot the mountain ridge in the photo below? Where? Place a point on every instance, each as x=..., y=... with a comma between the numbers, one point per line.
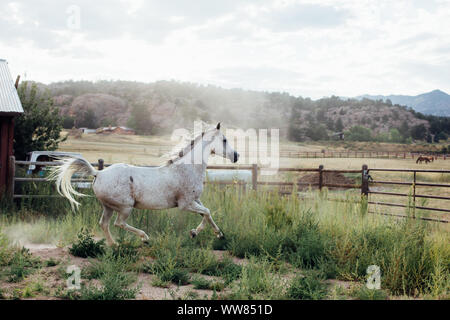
x=435, y=102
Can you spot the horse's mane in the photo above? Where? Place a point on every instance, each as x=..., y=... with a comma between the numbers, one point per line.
x=187, y=143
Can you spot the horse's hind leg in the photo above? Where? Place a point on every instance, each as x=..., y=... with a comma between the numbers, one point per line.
x=104, y=223
x=198, y=207
x=122, y=216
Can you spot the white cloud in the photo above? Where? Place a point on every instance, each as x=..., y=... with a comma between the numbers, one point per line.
x=309, y=48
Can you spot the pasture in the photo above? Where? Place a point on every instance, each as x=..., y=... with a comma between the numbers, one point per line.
x=276, y=247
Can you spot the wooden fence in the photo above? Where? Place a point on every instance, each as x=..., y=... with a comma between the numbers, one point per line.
x=365, y=183
x=286, y=153
x=359, y=154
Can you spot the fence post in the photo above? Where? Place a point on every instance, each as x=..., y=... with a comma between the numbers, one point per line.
x=101, y=164
x=11, y=175
x=255, y=176
x=365, y=180
x=414, y=195
x=320, y=176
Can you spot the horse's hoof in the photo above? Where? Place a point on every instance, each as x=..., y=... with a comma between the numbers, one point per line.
x=146, y=241
x=221, y=236
x=192, y=233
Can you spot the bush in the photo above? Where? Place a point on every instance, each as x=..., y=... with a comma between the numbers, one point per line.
x=364, y=293
x=309, y=287
x=167, y=270
x=276, y=216
x=306, y=246
x=258, y=281
x=86, y=246
x=359, y=133
x=114, y=279
x=202, y=283
x=126, y=249
x=21, y=264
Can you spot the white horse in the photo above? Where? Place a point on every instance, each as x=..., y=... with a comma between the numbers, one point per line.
x=122, y=187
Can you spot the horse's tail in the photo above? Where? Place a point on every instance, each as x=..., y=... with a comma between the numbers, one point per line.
x=62, y=174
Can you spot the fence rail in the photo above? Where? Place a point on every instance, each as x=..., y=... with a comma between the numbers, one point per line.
x=364, y=186
x=359, y=154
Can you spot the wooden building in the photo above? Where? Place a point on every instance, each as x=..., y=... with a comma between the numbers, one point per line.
x=10, y=107
x=115, y=130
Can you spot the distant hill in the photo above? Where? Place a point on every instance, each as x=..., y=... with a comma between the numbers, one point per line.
x=160, y=107
x=435, y=102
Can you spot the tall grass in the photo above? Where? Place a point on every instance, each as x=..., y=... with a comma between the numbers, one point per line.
x=338, y=239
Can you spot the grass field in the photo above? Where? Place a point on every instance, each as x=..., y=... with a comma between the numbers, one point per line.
x=276, y=247
x=150, y=150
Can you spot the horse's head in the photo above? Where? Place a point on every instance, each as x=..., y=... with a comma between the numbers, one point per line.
x=220, y=146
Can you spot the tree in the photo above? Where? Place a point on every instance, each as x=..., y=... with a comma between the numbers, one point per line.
x=404, y=129
x=39, y=127
x=339, y=126
x=86, y=119
x=395, y=136
x=320, y=116
x=68, y=122
x=294, y=131
x=140, y=119
x=359, y=133
x=441, y=136
x=317, y=132
x=419, y=132
x=330, y=124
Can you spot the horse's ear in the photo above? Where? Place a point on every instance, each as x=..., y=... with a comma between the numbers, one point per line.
x=218, y=126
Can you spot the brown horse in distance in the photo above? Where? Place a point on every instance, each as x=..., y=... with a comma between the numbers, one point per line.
x=427, y=159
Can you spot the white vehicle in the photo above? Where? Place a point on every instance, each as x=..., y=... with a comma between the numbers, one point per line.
x=229, y=175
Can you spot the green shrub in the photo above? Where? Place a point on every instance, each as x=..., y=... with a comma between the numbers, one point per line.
x=308, y=287
x=86, y=246
x=202, y=283
x=51, y=262
x=126, y=249
x=276, y=216
x=258, y=281
x=226, y=269
x=167, y=270
x=114, y=280
x=306, y=246
x=364, y=293
x=21, y=264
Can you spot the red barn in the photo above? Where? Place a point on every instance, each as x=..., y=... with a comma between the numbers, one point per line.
x=10, y=107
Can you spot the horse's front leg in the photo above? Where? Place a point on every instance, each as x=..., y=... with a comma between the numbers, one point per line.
x=198, y=207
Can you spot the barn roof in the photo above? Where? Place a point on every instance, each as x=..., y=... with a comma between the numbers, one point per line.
x=9, y=99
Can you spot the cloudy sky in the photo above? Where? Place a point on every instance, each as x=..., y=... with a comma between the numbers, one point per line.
x=308, y=48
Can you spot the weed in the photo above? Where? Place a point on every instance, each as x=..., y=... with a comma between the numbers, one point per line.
x=257, y=281
x=308, y=287
x=202, y=283
x=167, y=270
x=126, y=249
x=86, y=246
x=114, y=279
x=276, y=216
x=51, y=262
x=364, y=293
x=21, y=264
